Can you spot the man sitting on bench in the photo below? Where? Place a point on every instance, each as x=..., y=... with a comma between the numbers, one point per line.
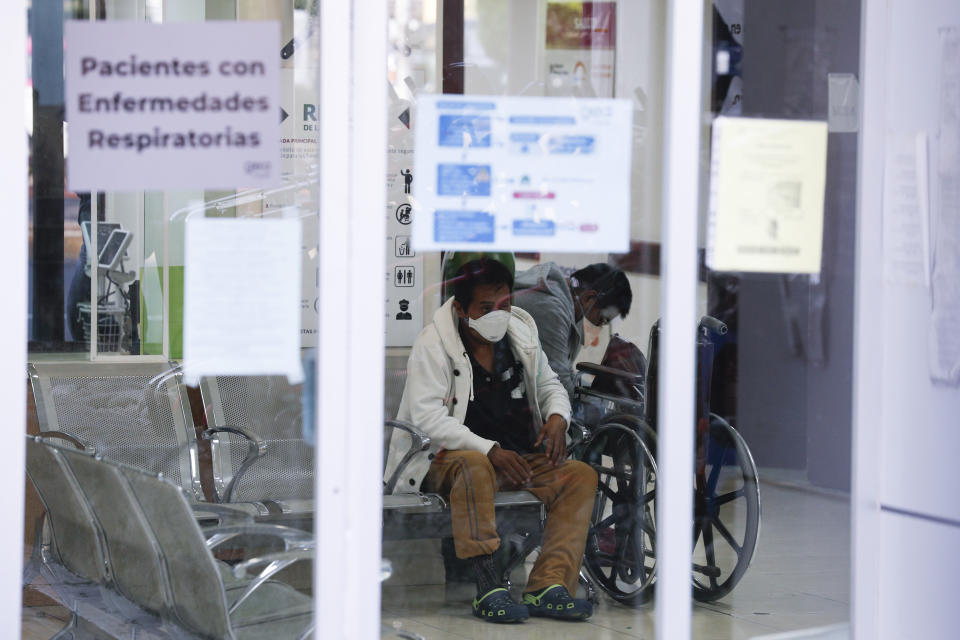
x=479, y=385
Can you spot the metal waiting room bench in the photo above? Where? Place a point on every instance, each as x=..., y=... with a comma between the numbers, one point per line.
x=125, y=551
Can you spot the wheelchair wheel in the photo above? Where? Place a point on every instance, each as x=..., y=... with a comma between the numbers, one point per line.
x=620, y=554
x=726, y=511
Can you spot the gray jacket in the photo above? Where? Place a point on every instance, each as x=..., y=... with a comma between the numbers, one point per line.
x=543, y=292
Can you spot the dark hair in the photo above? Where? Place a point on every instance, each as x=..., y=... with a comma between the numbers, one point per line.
x=479, y=272
x=610, y=283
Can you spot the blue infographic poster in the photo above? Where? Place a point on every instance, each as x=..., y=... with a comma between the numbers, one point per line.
x=521, y=174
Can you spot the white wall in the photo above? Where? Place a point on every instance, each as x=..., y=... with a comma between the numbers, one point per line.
x=504, y=55
x=906, y=428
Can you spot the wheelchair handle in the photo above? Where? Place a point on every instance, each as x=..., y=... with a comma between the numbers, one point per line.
x=711, y=323
x=597, y=369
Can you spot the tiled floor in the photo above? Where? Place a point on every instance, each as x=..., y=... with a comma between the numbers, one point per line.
x=799, y=579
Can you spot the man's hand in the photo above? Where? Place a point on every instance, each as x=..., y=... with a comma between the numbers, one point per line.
x=553, y=436
x=511, y=464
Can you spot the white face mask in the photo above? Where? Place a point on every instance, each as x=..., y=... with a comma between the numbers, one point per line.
x=492, y=326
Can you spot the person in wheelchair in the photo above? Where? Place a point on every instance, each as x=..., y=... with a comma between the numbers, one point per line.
x=559, y=304
x=479, y=385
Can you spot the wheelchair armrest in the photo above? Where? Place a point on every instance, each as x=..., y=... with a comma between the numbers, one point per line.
x=76, y=441
x=622, y=403
x=712, y=324
x=257, y=448
x=598, y=369
x=578, y=433
x=419, y=441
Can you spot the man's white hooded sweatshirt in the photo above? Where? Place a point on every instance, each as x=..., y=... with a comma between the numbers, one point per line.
x=440, y=386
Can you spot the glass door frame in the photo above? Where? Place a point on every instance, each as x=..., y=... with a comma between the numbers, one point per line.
x=13, y=327
x=353, y=142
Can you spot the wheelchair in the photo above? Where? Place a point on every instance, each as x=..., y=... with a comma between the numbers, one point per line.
x=616, y=417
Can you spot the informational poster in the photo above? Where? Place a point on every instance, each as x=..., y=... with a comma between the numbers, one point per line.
x=522, y=174
x=580, y=52
x=906, y=226
x=766, y=195
x=242, y=298
x=299, y=135
x=404, y=303
x=172, y=106
x=299, y=121
x=945, y=320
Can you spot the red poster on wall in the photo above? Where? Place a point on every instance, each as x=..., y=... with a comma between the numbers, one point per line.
x=580, y=48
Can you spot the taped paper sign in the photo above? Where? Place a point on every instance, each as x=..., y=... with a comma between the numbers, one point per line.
x=766, y=195
x=242, y=298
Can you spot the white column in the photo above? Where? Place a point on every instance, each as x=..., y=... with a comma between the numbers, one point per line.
x=681, y=153
x=868, y=326
x=353, y=108
x=13, y=321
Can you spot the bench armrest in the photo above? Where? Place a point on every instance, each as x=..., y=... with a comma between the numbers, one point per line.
x=240, y=570
x=599, y=369
x=275, y=562
x=257, y=448
x=291, y=538
x=227, y=515
x=76, y=441
x=419, y=441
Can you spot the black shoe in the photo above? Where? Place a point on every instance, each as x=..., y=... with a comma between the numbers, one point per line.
x=497, y=605
x=556, y=602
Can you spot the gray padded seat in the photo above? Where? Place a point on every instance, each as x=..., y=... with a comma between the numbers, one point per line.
x=75, y=561
x=162, y=562
x=135, y=413
x=269, y=408
x=134, y=559
x=76, y=541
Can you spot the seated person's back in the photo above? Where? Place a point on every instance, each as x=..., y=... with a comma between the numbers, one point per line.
x=559, y=304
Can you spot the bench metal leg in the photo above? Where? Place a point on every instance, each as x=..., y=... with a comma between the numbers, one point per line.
x=67, y=633
x=523, y=544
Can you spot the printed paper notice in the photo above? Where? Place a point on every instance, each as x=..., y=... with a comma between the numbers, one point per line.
x=945, y=320
x=766, y=195
x=172, y=106
x=242, y=298
x=906, y=226
x=522, y=174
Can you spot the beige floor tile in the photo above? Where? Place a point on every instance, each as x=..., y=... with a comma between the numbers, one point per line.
x=40, y=623
x=799, y=578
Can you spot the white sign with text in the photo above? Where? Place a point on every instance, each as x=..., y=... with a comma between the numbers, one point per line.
x=242, y=298
x=172, y=106
x=522, y=174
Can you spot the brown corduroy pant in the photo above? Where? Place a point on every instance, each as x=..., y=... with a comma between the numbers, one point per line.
x=567, y=491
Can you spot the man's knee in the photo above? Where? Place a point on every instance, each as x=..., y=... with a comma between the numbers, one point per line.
x=581, y=475
x=473, y=464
